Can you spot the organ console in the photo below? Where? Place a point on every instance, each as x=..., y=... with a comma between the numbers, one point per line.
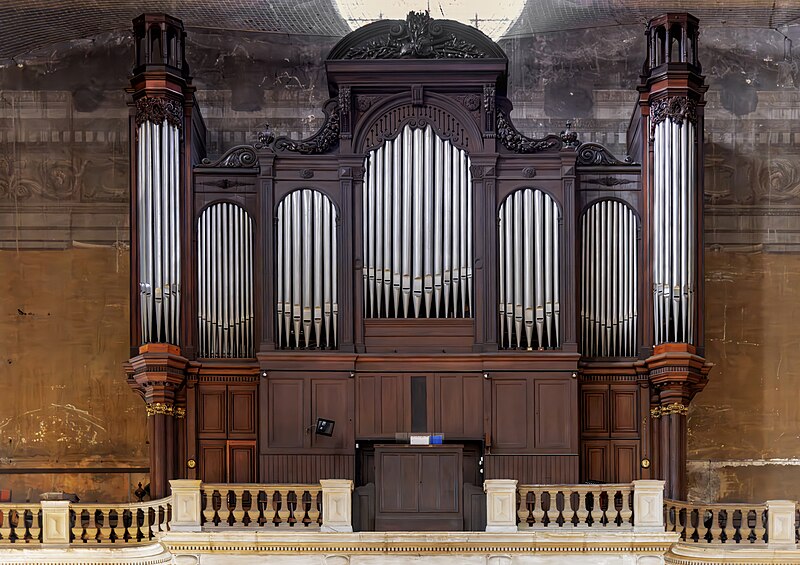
x=417, y=265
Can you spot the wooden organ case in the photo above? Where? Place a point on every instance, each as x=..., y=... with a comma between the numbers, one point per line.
x=417, y=266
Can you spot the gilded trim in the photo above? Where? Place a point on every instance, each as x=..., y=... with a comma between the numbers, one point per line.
x=162, y=408
x=674, y=408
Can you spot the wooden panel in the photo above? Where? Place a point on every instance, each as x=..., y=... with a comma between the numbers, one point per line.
x=459, y=406
x=212, y=461
x=418, y=336
x=474, y=508
x=555, y=423
x=398, y=485
x=241, y=411
x=367, y=406
x=510, y=414
x=212, y=411
x=594, y=410
x=624, y=412
x=440, y=486
x=285, y=468
x=624, y=461
x=331, y=398
x=533, y=469
x=394, y=413
x=241, y=461
x=285, y=413
x=595, y=462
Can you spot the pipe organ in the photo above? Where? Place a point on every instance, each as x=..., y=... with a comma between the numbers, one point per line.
x=307, y=308
x=528, y=257
x=418, y=266
x=417, y=228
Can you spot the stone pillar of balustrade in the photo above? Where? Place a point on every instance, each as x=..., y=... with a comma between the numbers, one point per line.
x=648, y=506
x=781, y=529
x=55, y=523
x=501, y=505
x=186, y=506
x=337, y=505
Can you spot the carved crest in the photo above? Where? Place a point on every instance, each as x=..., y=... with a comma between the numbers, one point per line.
x=321, y=142
x=241, y=156
x=158, y=110
x=518, y=143
x=595, y=154
x=418, y=37
x=675, y=108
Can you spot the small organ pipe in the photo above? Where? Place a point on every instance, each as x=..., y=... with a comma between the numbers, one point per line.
x=609, y=292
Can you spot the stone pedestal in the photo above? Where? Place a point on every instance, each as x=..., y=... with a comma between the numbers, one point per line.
x=501, y=505
x=337, y=505
x=648, y=506
x=186, y=506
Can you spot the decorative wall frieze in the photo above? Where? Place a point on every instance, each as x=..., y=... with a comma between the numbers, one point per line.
x=674, y=408
x=241, y=156
x=596, y=154
x=160, y=408
x=675, y=108
x=321, y=142
x=157, y=110
x=514, y=141
x=418, y=37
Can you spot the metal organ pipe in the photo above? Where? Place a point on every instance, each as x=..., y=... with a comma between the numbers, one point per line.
x=158, y=193
x=417, y=228
x=608, y=280
x=306, y=306
x=674, y=233
x=225, y=282
x=529, y=239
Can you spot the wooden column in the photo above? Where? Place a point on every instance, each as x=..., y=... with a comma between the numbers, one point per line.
x=157, y=373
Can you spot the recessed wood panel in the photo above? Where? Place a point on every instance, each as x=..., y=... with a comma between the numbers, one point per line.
x=431, y=335
x=624, y=412
x=212, y=411
x=285, y=410
x=624, y=461
x=440, y=488
x=367, y=406
x=393, y=410
x=331, y=399
x=594, y=410
x=459, y=406
x=399, y=482
x=533, y=469
x=595, y=461
x=555, y=422
x=241, y=461
x=241, y=411
x=510, y=413
x=212, y=461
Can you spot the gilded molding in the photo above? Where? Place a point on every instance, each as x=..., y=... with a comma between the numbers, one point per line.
x=180, y=413
x=157, y=110
x=161, y=408
x=674, y=408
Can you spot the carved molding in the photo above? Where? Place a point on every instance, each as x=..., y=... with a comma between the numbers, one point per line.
x=322, y=141
x=529, y=172
x=345, y=105
x=417, y=37
x=675, y=108
x=674, y=408
x=241, y=156
x=157, y=110
x=514, y=141
x=161, y=408
x=306, y=174
x=595, y=154
x=446, y=125
x=608, y=181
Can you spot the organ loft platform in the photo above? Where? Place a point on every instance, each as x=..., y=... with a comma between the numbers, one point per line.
x=418, y=319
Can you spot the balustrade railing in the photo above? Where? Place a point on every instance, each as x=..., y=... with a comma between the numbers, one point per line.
x=717, y=523
x=560, y=506
x=20, y=523
x=261, y=506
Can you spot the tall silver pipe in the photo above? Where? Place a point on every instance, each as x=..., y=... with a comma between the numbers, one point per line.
x=538, y=262
x=377, y=231
x=388, y=178
x=556, y=339
x=397, y=222
x=407, y=219
x=428, y=234
x=458, y=233
x=501, y=238
x=692, y=228
x=527, y=255
x=447, y=267
x=465, y=241
x=508, y=209
x=327, y=301
x=548, y=274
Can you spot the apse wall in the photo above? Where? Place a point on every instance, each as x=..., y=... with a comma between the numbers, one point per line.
x=68, y=420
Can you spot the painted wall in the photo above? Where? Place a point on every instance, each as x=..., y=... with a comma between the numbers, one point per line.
x=64, y=234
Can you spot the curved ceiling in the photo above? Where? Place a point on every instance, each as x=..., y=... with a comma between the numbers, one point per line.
x=33, y=24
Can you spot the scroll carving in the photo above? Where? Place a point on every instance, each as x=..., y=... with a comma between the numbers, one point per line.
x=241, y=156
x=418, y=37
x=158, y=110
x=390, y=124
x=596, y=154
x=323, y=141
x=518, y=143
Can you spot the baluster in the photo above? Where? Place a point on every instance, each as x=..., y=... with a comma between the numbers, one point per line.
x=104, y=527
x=313, y=510
x=78, y=532
x=627, y=511
x=207, y=507
x=284, y=511
x=34, y=532
x=262, y=504
x=760, y=526
x=597, y=510
x=536, y=508
x=552, y=508
x=702, y=527
x=236, y=505
x=583, y=511
x=5, y=524
x=716, y=530
x=727, y=530
x=686, y=523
